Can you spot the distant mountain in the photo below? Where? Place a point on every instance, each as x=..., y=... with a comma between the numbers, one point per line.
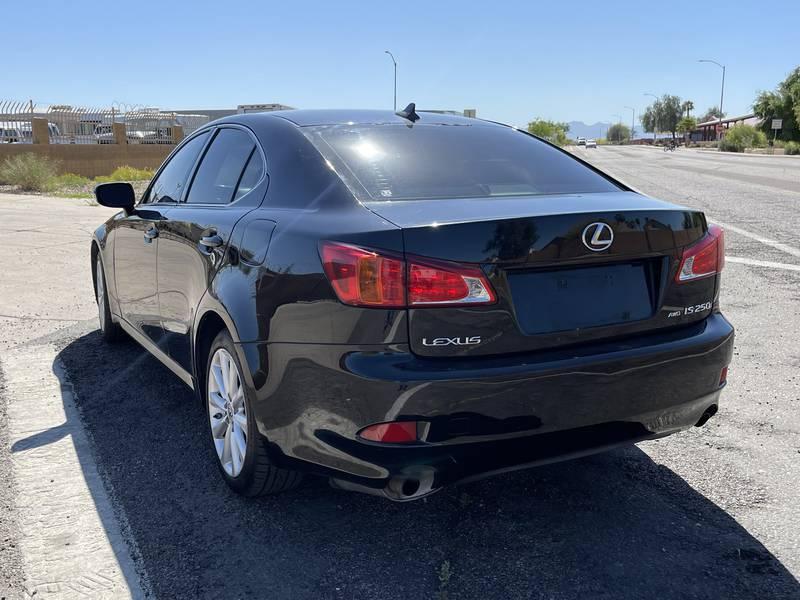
x=597, y=130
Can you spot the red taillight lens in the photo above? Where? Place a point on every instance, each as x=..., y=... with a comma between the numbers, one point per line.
x=363, y=277
x=397, y=432
x=723, y=376
x=435, y=283
x=705, y=258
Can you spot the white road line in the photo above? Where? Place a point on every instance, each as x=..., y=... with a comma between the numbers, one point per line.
x=762, y=263
x=754, y=236
x=71, y=541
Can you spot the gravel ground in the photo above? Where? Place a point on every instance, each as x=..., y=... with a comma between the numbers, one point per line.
x=708, y=513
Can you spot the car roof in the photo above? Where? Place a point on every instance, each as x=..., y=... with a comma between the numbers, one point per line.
x=314, y=117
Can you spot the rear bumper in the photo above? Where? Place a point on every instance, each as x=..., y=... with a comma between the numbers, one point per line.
x=486, y=415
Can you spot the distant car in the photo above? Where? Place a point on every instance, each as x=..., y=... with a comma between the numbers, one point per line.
x=104, y=134
x=591, y=143
x=21, y=132
x=11, y=133
x=581, y=141
x=403, y=301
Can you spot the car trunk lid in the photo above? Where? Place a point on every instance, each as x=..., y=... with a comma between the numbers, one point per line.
x=556, y=282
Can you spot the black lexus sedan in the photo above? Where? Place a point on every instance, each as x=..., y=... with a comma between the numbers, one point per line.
x=402, y=301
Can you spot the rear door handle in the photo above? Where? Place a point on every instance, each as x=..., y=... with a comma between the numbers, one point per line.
x=150, y=235
x=211, y=241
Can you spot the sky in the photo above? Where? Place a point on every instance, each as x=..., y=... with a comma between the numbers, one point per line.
x=511, y=61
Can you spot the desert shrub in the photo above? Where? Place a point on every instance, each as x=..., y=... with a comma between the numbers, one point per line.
x=739, y=137
x=126, y=173
x=791, y=148
x=29, y=172
x=71, y=180
x=731, y=145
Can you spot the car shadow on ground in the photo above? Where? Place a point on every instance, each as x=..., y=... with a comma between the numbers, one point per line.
x=615, y=525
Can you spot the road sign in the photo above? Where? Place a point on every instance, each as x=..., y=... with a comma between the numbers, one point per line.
x=777, y=123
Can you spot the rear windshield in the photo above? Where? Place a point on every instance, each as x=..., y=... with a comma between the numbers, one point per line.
x=402, y=162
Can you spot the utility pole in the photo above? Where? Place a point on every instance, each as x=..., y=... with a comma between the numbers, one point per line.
x=394, y=62
x=721, y=92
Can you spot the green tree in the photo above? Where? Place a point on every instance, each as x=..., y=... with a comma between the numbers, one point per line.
x=552, y=131
x=783, y=103
x=648, y=119
x=663, y=115
x=711, y=114
x=670, y=113
x=686, y=126
x=688, y=107
x=618, y=133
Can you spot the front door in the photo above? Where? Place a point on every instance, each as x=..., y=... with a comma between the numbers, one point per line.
x=135, y=254
x=136, y=242
x=199, y=229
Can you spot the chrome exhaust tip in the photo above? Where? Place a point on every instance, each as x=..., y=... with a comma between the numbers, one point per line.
x=710, y=412
x=401, y=488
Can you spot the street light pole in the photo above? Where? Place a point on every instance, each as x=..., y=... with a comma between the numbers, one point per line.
x=394, y=62
x=721, y=92
x=633, y=118
x=655, y=125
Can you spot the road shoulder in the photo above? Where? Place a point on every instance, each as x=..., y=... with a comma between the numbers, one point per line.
x=70, y=541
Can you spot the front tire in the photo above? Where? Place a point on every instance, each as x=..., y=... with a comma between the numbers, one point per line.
x=110, y=330
x=241, y=451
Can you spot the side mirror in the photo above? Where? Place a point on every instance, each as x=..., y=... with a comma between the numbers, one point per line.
x=116, y=195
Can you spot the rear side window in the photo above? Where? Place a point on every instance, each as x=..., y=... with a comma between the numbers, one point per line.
x=222, y=167
x=171, y=182
x=402, y=162
x=252, y=174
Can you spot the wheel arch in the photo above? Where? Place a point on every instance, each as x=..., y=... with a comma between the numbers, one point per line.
x=209, y=322
x=93, y=254
x=207, y=329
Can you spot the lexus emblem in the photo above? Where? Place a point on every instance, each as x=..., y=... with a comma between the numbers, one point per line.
x=597, y=236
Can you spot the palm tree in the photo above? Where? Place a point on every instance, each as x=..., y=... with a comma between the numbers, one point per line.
x=688, y=107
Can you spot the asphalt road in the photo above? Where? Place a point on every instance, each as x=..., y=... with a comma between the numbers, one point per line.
x=708, y=513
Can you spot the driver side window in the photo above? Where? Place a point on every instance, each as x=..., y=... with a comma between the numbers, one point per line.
x=170, y=183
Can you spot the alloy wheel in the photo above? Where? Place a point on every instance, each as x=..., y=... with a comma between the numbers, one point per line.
x=227, y=412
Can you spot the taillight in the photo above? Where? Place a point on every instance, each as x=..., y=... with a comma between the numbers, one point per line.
x=436, y=283
x=395, y=432
x=363, y=277
x=705, y=258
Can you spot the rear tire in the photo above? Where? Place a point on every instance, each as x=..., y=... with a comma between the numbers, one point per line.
x=241, y=451
x=110, y=330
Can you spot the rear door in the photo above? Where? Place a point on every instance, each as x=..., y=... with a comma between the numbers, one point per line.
x=136, y=241
x=199, y=228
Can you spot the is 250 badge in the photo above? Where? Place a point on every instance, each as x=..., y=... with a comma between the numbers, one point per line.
x=690, y=310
